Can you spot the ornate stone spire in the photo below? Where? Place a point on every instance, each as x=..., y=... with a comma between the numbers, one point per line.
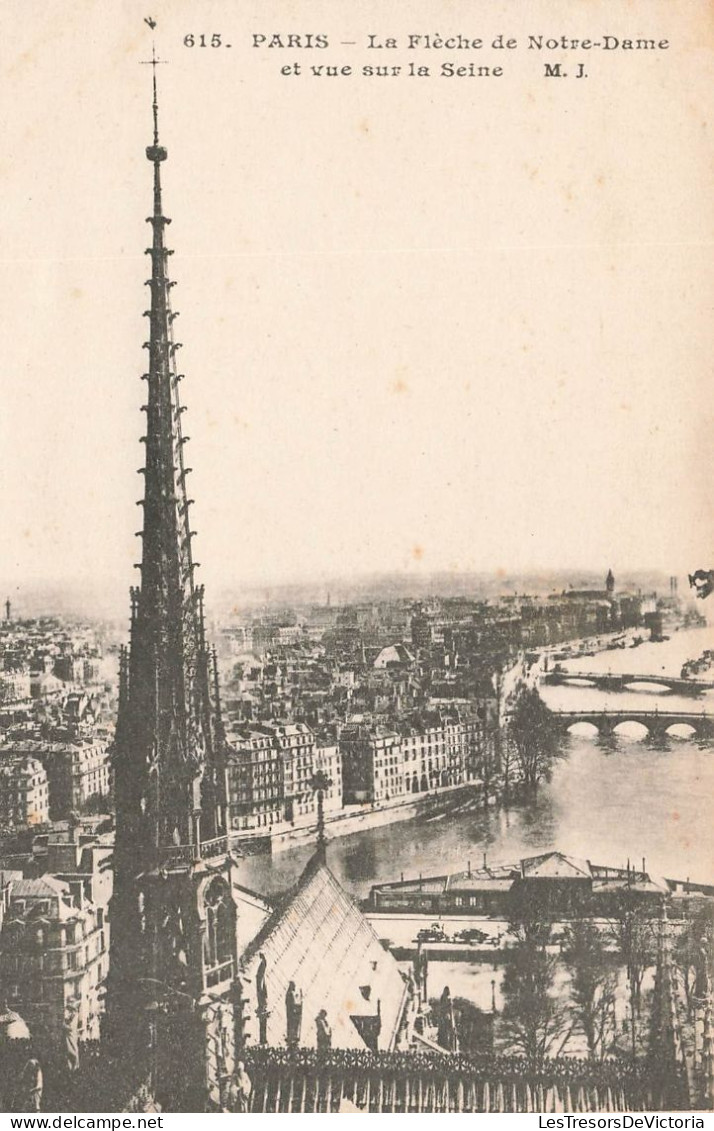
x=168, y=749
x=167, y=754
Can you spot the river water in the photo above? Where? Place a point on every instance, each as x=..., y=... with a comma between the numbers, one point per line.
x=607, y=801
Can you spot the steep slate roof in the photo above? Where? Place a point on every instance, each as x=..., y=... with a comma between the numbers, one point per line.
x=394, y=653
x=319, y=939
x=479, y=882
x=56, y=892
x=653, y=885
x=46, y=887
x=555, y=865
x=434, y=885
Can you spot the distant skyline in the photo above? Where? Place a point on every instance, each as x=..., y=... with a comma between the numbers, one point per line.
x=425, y=330
x=107, y=601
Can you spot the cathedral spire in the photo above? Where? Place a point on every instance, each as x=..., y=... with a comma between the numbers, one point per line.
x=173, y=917
x=169, y=745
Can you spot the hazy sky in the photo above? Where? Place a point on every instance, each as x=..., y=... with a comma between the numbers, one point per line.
x=428, y=323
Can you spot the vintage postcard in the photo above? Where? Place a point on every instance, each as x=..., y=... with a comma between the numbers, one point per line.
x=357, y=754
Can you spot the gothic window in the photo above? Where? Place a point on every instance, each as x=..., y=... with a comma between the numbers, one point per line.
x=219, y=942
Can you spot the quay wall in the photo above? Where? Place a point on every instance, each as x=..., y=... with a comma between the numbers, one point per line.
x=358, y=817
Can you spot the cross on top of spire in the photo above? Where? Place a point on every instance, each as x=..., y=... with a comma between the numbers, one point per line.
x=154, y=152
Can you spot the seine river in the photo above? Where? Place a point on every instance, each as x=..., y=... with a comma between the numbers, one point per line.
x=606, y=801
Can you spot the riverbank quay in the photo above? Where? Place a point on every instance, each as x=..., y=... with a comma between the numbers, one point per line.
x=356, y=818
x=597, y=785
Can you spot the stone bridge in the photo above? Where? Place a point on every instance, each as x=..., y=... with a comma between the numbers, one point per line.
x=658, y=723
x=615, y=681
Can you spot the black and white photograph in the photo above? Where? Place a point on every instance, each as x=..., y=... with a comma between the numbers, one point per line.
x=357, y=569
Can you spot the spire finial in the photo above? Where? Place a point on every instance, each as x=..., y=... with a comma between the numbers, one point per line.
x=155, y=152
x=155, y=103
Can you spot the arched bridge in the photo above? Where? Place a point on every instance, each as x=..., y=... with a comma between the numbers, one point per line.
x=616, y=681
x=658, y=723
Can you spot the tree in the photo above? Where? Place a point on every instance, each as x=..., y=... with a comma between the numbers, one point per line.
x=98, y=804
x=534, y=738
x=507, y=760
x=593, y=977
x=633, y=929
x=693, y=942
x=528, y=919
x=534, y=1020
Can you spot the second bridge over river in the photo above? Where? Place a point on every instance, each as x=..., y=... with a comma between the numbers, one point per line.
x=616, y=681
x=657, y=723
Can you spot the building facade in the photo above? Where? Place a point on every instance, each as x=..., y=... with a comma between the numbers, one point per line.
x=372, y=764
x=54, y=960
x=269, y=772
x=24, y=790
x=78, y=771
x=255, y=782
